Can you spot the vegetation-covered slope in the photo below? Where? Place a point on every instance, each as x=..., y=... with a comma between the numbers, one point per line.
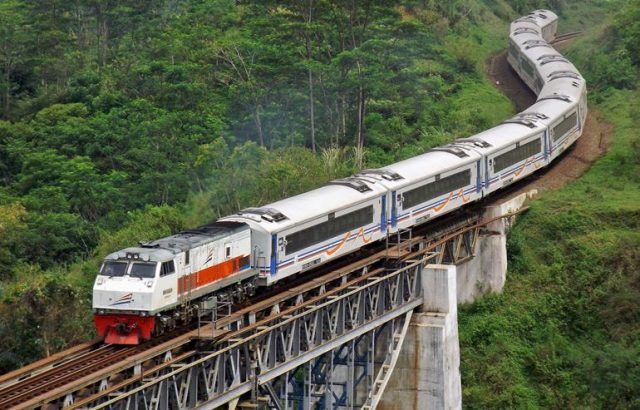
x=125, y=121
x=566, y=331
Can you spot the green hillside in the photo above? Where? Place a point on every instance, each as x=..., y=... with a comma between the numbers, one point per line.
x=566, y=331
x=125, y=121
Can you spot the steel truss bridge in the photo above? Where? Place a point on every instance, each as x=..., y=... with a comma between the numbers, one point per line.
x=329, y=343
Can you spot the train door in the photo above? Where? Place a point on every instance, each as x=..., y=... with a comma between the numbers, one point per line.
x=478, y=177
x=166, y=287
x=183, y=279
x=487, y=178
x=383, y=213
x=546, y=145
x=274, y=255
x=394, y=209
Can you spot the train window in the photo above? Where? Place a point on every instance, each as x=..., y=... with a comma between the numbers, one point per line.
x=143, y=270
x=513, y=50
x=527, y=66
x=517, y=154
x=326, y=230
x=565, y=125
x=167, y=268
x=227, y=251
x=186, y=257
x=113, y=268
x=435, y=189
x=539, y=84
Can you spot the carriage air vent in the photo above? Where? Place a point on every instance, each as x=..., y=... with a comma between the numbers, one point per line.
x=268, y=214
x=352, y=182
x=525, y=30
x=526, y=19
x=383, y=173
x=149, y=244
x=563, y=74
x=545, y=56
x=476, y=142
x=552, y=59
x=556, y=96
x=535, y=43
x=539, y=13
x=451, y=149
x=528, y=119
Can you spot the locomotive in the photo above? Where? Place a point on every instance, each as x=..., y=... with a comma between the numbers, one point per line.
x=145, y=290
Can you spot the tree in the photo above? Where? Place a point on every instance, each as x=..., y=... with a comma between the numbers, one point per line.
x=14, y=47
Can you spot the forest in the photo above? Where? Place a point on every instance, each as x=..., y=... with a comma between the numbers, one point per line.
x=123, y=121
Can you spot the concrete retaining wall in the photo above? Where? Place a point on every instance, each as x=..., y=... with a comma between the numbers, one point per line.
x=487, y=271
x=427, y=374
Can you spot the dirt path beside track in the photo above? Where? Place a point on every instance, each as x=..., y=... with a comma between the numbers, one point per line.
x=594, y=142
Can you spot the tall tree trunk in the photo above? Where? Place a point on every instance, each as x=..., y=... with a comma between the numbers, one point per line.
x=311, y=113
x=343, y=115
x=359, y=138
x=258, y=121
x=360, y=125
x=311, y=102
x=7, y=93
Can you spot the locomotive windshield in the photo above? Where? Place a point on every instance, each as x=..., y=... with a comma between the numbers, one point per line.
x=143, y=270
x=110, y=268
x=133, y=269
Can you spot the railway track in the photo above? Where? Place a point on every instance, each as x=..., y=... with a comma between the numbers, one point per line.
x=50, y=374
x=37, y=384
x=59, y=375
x=47, y=363
x=90, y=363
x=566, y=36
x=79, y=368
x=115, y=367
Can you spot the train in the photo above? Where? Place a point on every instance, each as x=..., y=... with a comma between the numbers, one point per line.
x=145, y=290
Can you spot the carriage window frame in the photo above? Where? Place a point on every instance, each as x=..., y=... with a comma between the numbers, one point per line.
x=323, y=231
x=514, y=50
x=432, y=190
x=565, y=126
x=528, y=66
x=516, y=154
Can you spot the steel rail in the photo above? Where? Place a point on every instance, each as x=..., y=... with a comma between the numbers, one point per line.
x=286, y=303
x=261, y=331
x=48, y=362
x=45, y=381
x=252, y=313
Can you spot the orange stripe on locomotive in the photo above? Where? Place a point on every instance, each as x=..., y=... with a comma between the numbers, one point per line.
x=211, y=274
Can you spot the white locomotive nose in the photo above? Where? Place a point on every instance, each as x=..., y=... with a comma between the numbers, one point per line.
x=123, y=293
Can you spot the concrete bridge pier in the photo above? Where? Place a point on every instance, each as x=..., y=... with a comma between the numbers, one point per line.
x=427, y=374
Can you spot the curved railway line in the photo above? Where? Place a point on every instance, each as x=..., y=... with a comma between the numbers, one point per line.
x=77, y=369
x=94, y=362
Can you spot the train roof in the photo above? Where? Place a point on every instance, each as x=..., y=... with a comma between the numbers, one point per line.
x=541, y=18
x=333, y=197
x=437, y=161
x=165, y=248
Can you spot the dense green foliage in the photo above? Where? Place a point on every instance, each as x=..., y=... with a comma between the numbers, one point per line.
x=126, y=121
x=566, y=331
x=112, y=106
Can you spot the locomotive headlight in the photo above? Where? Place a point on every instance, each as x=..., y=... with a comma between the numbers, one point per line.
x=149, y=283
x=100, y=281
x=143, y=314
